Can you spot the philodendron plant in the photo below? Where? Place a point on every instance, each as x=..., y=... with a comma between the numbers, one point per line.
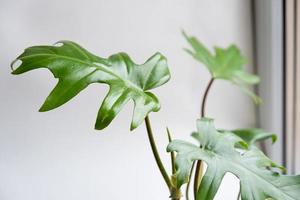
x=215, y=152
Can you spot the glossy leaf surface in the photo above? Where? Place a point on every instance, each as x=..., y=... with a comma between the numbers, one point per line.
x=76, y=68
x=259, y=178
x=224, y=64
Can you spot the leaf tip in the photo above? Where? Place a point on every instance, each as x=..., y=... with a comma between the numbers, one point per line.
x=13, y=73
x=274, y=138
x=43, y=108
x=257, y=100
x=14, y=65
x=99, y=125
x=184, y=33
x=133, y=126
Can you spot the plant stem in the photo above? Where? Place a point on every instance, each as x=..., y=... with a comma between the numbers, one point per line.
x=156, y=154
x=189, y=182
x=205, y=97
x=197, y=179
x=239, y=195
x=172, y=153
x=199, y=167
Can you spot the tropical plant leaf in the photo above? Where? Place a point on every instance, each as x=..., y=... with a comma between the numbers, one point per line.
x=76, y=68
x=253, y=135
x=225, y=64
x=259, y=176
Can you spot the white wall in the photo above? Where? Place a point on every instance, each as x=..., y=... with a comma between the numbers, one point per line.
x=57, y=155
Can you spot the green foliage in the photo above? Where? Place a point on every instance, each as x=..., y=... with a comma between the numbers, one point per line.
x=222, y=152
x=253, y=135
x=226, y=64
x=76, y=68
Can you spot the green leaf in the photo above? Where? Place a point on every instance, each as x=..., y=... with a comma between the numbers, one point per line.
x=225, y=64
x=253, y=135
x=259, y=176
x=76, y=68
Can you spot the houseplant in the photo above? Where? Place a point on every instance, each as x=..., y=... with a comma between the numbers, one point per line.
x=223, y=151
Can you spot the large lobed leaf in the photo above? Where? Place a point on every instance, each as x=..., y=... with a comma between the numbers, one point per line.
x=225, y=64
x=76, y=68
x=258, y=176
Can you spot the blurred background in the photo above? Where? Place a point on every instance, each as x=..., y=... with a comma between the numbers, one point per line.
x=58, y=155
